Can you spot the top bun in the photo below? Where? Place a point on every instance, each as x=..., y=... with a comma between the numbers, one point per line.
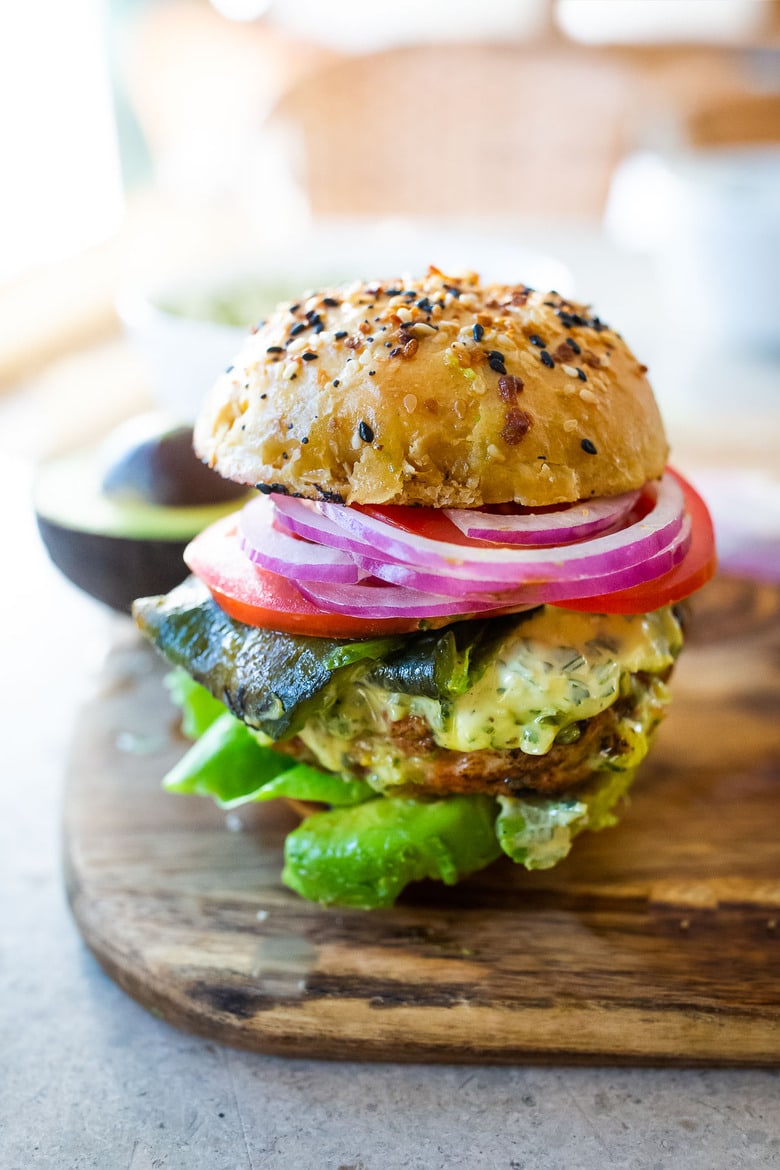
x=440, y=391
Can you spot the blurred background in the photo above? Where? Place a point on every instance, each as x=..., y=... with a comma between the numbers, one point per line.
x=172, y=167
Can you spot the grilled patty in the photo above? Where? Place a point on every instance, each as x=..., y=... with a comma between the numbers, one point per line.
x=605, y=741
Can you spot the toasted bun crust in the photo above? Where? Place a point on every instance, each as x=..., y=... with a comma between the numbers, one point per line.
x=440, y=391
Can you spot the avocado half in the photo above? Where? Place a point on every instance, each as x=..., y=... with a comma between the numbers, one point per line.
x=112, y=542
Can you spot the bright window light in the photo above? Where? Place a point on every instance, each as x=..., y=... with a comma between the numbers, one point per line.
x=61, y=185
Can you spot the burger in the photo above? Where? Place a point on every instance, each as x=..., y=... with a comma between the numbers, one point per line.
x=444, y=626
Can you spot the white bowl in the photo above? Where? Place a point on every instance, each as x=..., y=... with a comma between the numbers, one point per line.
x=186, y=351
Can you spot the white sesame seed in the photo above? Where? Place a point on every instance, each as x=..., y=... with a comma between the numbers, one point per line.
x=570, y=424
x=571, y=371
x=588, y=395
x=404, y=313
x=568, y=388
x=420, y=329
x=545, y=471
x=289, y=369
x=410, y=403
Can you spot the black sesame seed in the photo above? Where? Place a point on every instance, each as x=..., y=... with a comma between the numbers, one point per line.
x=535, y=339
x=319, y=328
x=478, y=332
x=456, y=292
x=296, y=329
x=275, y=349
x=341, y=333
x=336, y=382
x=229, y=370
x=424, y=304
x=309, y=356
x=304, y=441
x=295, y=308
x=546, y=359
x=495, y=353
x=371, y=373
x=497, y=364
x=331, y=302
x=583, y=377
x=311, y=314
x=392, y=292
x=264, y=488
x=589, y=447
x=572, y=344
x=365, y=432
x=293, y=377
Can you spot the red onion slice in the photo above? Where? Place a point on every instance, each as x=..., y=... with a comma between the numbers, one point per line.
x=405, y=576
x=574, y=522
x=303, y=518
x=296, y=559
x=385, y=601
x=486, y=570
x=373, y=601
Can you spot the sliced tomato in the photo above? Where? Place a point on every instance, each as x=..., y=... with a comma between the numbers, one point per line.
x=257, y=597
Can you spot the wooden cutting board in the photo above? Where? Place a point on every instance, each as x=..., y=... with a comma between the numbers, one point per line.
x=655, y=942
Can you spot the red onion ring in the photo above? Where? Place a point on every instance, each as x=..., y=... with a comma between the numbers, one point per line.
x=384, y=601
x=299, y=560
x=573, y=522
x=432, y=578
x=488, y=569
x=661, y=562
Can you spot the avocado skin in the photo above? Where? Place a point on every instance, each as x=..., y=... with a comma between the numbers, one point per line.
x=114, y=569
x=113, y=549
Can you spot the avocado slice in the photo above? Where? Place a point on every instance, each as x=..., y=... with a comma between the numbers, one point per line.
x=119, y=544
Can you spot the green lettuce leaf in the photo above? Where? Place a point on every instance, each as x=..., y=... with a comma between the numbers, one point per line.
x=537, y=831
x=199, y=709
x=364, y=856
x=229, y=765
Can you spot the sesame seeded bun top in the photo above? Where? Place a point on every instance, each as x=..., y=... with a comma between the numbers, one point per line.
x=439, y=391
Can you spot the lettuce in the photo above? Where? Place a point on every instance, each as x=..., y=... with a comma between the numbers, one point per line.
x=367, y=848
x=228, y=764
x=199, y=709
x=364, y=856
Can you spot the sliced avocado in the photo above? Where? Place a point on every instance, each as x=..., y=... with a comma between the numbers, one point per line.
x=117, y=547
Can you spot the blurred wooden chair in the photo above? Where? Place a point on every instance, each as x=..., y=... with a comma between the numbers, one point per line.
x=458, y=130
x=740, y=119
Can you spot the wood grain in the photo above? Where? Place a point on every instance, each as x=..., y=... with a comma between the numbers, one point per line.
x=655, y=942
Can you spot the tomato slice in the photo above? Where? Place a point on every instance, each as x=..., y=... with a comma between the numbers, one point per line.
x=258, y=597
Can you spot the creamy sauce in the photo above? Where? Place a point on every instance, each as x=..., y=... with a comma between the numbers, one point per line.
x=556, y=668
